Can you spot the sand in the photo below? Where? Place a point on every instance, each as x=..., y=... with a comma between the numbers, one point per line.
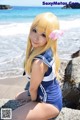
x=9, y=87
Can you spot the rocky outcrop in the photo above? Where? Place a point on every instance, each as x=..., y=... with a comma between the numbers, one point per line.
x=72, y=5
x=70, y=72
x=68, y=114
x=66, y=6
x=2, y=7
x=75, y=5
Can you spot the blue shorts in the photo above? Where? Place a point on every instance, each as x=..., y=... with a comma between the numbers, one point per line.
x=57, y=103
x=53, y=92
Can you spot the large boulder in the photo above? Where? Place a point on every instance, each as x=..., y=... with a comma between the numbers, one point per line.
x=70, y=72
x=68, y=114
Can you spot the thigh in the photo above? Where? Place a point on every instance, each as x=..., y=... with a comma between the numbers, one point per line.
x=42, y=111
x=35, y=111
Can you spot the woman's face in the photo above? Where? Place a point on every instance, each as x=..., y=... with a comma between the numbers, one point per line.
x=37, y=37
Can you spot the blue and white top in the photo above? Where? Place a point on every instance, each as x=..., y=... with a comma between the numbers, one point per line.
x=49, y=90
x=47, y=58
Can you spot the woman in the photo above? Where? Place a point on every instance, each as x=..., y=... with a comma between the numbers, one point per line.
x=41, y=66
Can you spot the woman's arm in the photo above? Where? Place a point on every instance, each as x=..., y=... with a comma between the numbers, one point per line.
x=37, y=74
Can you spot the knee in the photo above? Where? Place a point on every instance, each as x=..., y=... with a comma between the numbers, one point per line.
x=55, y=114
x=18, y=96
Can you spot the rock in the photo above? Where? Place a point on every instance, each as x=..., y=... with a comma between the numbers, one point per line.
x=68, y=114
x=13, y=104
x=76, y=54
x=66, y=6
x=24, y=73
x=63, y=66
x=5, y=7
x=3, y=101
x=72, y=71
x=73, y=5
x=71, y=81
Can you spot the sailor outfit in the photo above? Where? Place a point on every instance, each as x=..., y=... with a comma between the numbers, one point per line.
x=49, y=90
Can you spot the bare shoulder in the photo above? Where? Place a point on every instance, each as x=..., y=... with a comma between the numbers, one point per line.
x=38, y=65
x=37, y=73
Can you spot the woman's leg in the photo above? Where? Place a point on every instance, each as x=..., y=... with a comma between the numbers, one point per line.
x=35, y=111
x=23, y=96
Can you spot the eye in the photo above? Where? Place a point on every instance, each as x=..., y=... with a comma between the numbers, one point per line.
x=43, y=35
x=34, y=30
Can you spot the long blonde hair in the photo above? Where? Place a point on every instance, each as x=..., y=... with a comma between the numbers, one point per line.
x=48, y=22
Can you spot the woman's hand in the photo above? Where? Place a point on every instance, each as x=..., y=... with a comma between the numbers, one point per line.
x=33, y=94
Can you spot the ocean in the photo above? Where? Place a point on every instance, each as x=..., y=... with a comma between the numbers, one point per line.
x=14, y=28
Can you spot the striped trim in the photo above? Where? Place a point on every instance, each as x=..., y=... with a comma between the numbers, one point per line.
x=45, y=60
x=44, y=93
x=49, y=77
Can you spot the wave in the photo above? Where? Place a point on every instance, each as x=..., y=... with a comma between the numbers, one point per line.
x=69, y=24
x=23, y=28
x=14, y=28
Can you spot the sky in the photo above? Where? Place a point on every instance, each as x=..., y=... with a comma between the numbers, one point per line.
x=31, y=2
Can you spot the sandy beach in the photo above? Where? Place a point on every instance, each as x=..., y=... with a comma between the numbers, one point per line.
x=9, y=87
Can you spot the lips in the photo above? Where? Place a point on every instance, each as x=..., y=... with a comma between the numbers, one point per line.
x=34, y=42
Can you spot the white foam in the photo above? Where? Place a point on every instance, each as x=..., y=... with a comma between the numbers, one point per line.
x=14, y=28
x=23, y=28
x=69, y=24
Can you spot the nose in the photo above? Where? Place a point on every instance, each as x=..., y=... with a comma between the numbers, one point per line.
x=36, y=37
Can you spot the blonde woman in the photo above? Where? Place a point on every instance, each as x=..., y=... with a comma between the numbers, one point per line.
x=41, y=66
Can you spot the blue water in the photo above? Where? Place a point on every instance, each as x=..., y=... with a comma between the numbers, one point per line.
x=25, y=14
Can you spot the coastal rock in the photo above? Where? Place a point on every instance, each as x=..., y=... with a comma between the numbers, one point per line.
x=68, y=114
x=73, y=5
x=72, y=71
x=71, y=81
x=5, y=7
x=66, y=6
x=76, y=54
